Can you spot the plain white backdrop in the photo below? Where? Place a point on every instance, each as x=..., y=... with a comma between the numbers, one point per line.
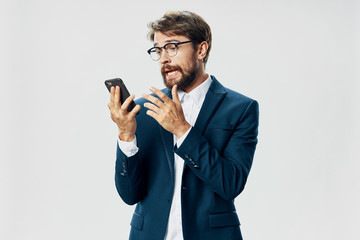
x=299, y=59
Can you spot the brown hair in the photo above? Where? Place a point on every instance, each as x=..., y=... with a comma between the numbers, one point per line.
x=183, y=23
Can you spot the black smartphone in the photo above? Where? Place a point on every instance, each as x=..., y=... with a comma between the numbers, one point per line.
x=124, y=93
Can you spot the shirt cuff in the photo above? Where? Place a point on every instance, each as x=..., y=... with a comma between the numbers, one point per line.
x=181, y=140
x=128, y=148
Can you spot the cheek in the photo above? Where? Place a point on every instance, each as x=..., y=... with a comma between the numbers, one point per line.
x=189, y=65
x=185, y=63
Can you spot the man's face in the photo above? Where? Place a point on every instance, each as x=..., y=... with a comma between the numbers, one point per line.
x=180, y=69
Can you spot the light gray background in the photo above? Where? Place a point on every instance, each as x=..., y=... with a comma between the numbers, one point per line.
x=298, y=58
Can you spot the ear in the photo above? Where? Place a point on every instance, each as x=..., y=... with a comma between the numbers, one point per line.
x=202, y=50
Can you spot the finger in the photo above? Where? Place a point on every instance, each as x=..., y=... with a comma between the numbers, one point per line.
x=152, y=107
x=175, y=94
x=153, y=99
x=127, y=102
x=135, y=110
x=152, y=114
x=160, y=94
x=117, y=96
x=112, y=90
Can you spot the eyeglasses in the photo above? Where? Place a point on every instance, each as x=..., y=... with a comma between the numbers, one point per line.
x=171, y=50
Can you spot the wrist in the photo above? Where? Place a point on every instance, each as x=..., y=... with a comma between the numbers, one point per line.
x=126, y=137
x=180, y=131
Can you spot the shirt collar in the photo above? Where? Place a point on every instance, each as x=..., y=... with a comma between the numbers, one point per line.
x=197, y=94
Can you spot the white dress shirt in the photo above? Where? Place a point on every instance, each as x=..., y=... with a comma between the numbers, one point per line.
x=191, y=104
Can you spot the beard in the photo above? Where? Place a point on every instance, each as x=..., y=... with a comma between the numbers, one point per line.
x=187, y=77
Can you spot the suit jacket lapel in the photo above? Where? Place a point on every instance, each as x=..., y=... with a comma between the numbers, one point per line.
x=213, y=98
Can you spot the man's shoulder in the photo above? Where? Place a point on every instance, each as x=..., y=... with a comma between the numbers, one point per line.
x=238, y=102
x=234, y=95
x=230, y=95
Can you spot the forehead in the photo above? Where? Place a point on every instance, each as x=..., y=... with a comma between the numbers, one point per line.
x=163, y=38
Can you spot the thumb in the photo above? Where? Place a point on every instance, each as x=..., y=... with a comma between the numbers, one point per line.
x=175, y=94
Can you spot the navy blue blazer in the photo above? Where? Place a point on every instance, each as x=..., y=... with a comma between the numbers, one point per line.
x=217, y=153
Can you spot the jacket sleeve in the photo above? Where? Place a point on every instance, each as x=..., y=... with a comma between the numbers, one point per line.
x=129, y=178
x=224, y=173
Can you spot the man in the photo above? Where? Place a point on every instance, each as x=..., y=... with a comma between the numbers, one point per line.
x=187, y=154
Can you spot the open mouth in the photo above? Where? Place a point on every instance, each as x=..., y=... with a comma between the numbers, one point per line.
x=171, y=73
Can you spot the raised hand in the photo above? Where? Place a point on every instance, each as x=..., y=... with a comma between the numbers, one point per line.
x=168, y=113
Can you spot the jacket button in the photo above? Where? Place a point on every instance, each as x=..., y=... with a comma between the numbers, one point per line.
x=196, y=166
x=186, y=155
x=122, y=174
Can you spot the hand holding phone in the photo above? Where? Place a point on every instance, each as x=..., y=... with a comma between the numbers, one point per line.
x=124, y=93
x=125, y=120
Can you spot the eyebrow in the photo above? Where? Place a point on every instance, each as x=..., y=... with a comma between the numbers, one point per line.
x=168, y=41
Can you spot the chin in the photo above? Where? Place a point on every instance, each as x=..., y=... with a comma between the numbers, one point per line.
x=169, y=83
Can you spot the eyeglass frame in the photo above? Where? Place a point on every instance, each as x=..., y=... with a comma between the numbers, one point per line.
x=164, y=47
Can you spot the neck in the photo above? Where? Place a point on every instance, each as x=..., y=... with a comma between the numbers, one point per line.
x=200, y=77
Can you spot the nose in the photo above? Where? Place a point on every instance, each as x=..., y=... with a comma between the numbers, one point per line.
x=164, y=58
